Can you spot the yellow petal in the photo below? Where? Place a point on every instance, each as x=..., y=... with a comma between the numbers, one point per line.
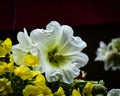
x=76, y=93
x=3, y=52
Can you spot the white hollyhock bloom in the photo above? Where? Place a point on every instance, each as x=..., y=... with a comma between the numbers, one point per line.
x=60, y=52
x=114, y=92
x=103, y=54
x=24, y=48
x=109, y=54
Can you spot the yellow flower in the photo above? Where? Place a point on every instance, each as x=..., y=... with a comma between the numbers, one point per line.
x=3, y=52
x=76, y=93
x=88, y=88
x=40, y=83
x=5, y=87
x=31, y=60
x=9, y=67
x=7, y=44
x=45, y=90
x=25, y=73
x=33, y=90
x=60, y=92
x=5, y=47
x=40, y=80
x=6, y=67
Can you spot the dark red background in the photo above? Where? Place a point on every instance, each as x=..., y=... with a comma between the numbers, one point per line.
x=16, y=14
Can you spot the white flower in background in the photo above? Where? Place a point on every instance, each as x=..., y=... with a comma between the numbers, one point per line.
x=109, y=54
x=102, y=52
x=25, y=50
x=60, y=52
x=114, y=92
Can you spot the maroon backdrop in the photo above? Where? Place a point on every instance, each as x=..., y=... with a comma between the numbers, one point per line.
x=16, y=14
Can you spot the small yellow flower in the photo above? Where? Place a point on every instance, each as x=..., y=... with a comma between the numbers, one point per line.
x=76, y=93
x=40, y=80
x=5, y=47
x=31, y=90
x=40, y=83
x=5, y=87
x=8, y=67
x=60, y=92
x=7, y=44
x=25, y=73
x=46, y=91
x=31, y=60
x=88, y=88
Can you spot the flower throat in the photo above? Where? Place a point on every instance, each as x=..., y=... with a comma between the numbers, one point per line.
x=55, y=58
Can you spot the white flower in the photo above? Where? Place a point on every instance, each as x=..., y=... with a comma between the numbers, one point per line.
x=114, y=92
x=24, y=47
x=102, y=52
x=109, y=54
x=60, y=52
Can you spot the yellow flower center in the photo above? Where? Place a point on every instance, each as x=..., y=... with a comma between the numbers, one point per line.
x=55, y=58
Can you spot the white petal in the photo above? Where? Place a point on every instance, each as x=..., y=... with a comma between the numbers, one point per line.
x=73, y=47
x=81, y=59
x=53, y=25
x=70, y=73
x=61, y=34
x=34, y=51
x=23, y=39
x=54, y=75
x=40, y=36
x=78, y=42
x=65, y=35
x=102, y=44
x=108, y=65
x=114, y=92
x=19, y=55
x=37, y=35
x=64, y=75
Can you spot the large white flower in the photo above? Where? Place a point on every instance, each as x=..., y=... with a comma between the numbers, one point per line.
x=60, y=52
x=25, y=49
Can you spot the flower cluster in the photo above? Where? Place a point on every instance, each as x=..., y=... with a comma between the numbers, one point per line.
x=109, y=54
x=46, y=63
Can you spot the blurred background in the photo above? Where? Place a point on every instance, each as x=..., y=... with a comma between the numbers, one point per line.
x=92, y=20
